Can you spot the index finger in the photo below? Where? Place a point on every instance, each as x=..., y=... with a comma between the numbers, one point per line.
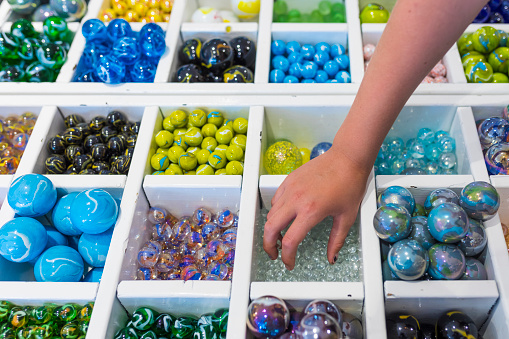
x=277, y=222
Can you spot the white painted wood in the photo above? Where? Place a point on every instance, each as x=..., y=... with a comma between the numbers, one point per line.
x=38, y=293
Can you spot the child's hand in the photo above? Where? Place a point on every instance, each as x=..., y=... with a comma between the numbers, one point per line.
x=331, y=184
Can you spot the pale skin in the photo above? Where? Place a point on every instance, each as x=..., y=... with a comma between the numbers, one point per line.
x=418, y=34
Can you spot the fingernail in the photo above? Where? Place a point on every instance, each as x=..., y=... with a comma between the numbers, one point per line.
x=288, y=268
x=335, y=259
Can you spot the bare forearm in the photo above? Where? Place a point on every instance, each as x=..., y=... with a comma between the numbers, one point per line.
x=417, y=35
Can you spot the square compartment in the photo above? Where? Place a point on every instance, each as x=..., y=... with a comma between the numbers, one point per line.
x=220, y=5
x=306, y=7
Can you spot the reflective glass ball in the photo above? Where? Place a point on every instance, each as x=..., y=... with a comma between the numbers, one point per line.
x=446, y=262
x=324, y=306
x=399, y=196
x=497, y=158
x=474, y=270
x=392, y=223
x=448, y=223
x=480, y=200
x=408, y=260
x=420, y=232
x=318, y=326
x=453, y=322
x=438, y=197
x=475, y=240
x=268, y=316
x=282, y=157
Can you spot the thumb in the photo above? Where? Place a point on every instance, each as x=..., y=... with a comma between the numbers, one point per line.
x=340, y=227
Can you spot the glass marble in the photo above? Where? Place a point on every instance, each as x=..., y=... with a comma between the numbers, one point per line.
x=392, y=223
x=51, y=55
x=36, y=72
x=397, y=195
x=143, y=318
x=497, y=159
x=238, y=74
x=31, y=195
x=23, y=6
x=318, y=326
x=184, y=327
x=408, y=260
x=420, y=232
x=448, y=223
x=480, y=200
x=117, y=29
x=474, y=270
x=352, y=327
x=446, y=262
x=324, y=306
x=475, y=240
x=157, y=215
x=94, y=30
x=126, y=50
x=492, y=131
x=59, y=264
x=225, y=218
x=72, y=10
x=61, y=217
x=268, y=316
x=94, y=247
x=452, y=322
x=94, y=211
x=22, y=239
x=109, y=70
x=402, y=326
x=440, y=196
x=152, y=44
x=282, y=157
x=320, y=149
x=143, y=70
x=244, y=51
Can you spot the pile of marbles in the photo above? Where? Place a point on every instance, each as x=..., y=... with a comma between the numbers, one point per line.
x=197, y=247
x=37, y=10
x=374, y=14
x=104, y=145
x=47, y=321
x=293, y=63
x=200, y=143
x=450, y=324
x=283, y=156
x=436, y=75
x=243, y=10
x=443, y=240
x=15, y=132
x=117, y=54
x=148, y=323
x=494, y=136
x=311, y=260
x=431, y=152
x=495, y=12
x=216, y=60
x=138, y=11
x=270, y=317
x=327, y=11
x=26, y=55
x=484, y=55
x=82, y=228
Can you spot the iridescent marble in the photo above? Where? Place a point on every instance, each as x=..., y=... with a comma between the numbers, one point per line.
x=318, y=326
x=446, y=262
x=268, y=316
x=448, y=223
x=420, y=232
x=480, y=200
x=408, y=260
x=352, y=327
x=324, y=306
x=397, y=195
x=72, y=10
x=440, y=196
x=474, y=270
x=492, y=131
x=392, y=223
x=497, y=159
x=475, y=240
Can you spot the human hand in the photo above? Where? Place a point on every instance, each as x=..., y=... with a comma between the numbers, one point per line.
x=329, y=185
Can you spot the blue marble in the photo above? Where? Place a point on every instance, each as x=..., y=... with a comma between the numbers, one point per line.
x=292, y=47
x=144, y=70
x=294, y=57
x=55, y=238
x=408, y=260
x=307, y=51
x=321, y=76
x=117, y=29
x=343, y=77
x=94, y=247
x=151, y=27
x=387, y=273
x=59, y=264
x=446, y=262
x=320, y=149
x=474, y=270
x=309, y=69
x=417, y=150
x=323, y=46
x=399, y=196
x=277, y=76
x=23, y=6
x=281, y=63
x=447, y=144
x=278, y=47
x=31, y=195
x=331, y=67
x=426, y=135
x=420, y=232
x=337, y=50
x=22, y=239
x=94, y=211
x=126, y=50
x=392, y=223
x=483, y=15
x=94, y=30
x=475, y=240
x=109, y=70
x=440, y=196
x=448, y=223
x=94, y=275
x=290, y=79
x=92, y=52
x=61, y=215
x=431, y=152
x=480, y=200
x=343, y=61
x=321, y=57
x=152, y=44
x=71, y=10
x=295, y=70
